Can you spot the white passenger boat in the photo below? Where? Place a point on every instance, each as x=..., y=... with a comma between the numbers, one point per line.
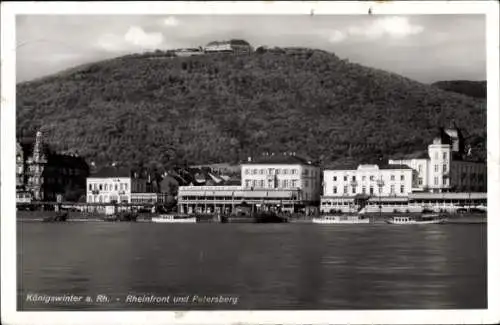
x=341, y=219
x=422, y=219
x=172, y=218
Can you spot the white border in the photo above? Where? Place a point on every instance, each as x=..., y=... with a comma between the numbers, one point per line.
x=8, y=223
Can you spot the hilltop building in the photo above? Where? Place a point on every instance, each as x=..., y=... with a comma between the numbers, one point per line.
x=44, y=175
x=284, y=182
x=235, y=46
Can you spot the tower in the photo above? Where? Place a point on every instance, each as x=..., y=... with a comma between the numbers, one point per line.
x=440, y=152
x=39, y=160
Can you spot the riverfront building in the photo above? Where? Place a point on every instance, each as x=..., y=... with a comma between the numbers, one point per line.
x=446, y=165
x=117, y=185
x=44, y=175
x=345, y=186
x=283, y=182
x=442, y=177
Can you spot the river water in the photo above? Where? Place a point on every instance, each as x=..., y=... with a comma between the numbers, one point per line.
x=250, y=266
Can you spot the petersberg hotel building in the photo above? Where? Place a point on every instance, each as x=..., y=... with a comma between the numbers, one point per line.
x=440, y=178
x=282, y=181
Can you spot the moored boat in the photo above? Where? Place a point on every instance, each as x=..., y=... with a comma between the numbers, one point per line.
x=421, y=219
x=173, y=218
x=341, y=219
x=59, y=217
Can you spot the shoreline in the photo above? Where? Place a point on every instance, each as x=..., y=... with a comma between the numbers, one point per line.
x=76, y=217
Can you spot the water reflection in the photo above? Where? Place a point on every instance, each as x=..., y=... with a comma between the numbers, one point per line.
x=266, y=266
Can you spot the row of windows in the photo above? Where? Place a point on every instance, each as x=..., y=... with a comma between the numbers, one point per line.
x=273, y=171
x=105, y=198
x=354, y=189
x=285, y=183
x=436, y=155
x=445, y=168
x=108, y=187
x=371, y=178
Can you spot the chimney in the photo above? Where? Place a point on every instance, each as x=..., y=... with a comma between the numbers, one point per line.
x=249, y=159
x=293, y=154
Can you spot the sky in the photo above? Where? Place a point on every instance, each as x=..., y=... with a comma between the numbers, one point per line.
x=426, y=48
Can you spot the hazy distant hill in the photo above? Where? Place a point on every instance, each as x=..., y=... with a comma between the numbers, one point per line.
x=475, y=89
x=222, y=107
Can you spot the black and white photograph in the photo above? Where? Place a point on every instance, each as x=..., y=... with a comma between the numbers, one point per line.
x=256, y=160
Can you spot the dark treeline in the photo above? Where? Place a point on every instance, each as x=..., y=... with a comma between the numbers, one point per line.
x=476, y=89
x=215, y=108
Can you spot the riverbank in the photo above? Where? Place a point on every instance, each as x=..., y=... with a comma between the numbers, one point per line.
x=38, y=216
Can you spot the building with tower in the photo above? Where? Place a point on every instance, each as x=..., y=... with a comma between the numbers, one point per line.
x=447, y=165
x=44, y=174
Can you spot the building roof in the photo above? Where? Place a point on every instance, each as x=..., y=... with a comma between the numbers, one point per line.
x=442, y=136
x=420, y=154
x=280, y=159
x=356, y=166
x=394, y=166
x=110, y=172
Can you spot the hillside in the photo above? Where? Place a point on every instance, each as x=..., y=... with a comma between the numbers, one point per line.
x=213, y=108
x=476, y=89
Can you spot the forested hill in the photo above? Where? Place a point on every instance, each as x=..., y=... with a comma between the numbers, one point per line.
x=475, y=89
x=222, y=107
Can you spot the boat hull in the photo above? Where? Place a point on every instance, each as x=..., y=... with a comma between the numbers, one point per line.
x=180, y=220
x=416, y=222
x=345, y=222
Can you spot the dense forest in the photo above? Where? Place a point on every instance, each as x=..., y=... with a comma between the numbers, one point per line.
x=159, y=110
x=475, y=89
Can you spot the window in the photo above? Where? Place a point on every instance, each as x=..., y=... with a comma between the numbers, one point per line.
x=334, y=178
x=100, y=187
x=306, y=172
x=345, y=178
x=393, y=189
x=116, y=187
x=90, y=187
x=345, y=189
x=419, y=169
x=261, y=171
x=363, y=189
x=420, y=181
x=254, y=171
x=371, y=190
x=363, y=178
x=335, y=190
x=445, y=168
x=285, y=183
x=372, y=178
x=294, y=183
x=306, y=183
x=354, y=178
x=353, y=189
x=285, y=171
x=247, y=171
x=121, y=187
x=105, y=187
x=444, y=156
x=402, y=177
x=261, y=183
x=278, y=171
x=436, y=180
x=393, y=177
x=247, y=183
x=436, y=168
x=402, y=189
